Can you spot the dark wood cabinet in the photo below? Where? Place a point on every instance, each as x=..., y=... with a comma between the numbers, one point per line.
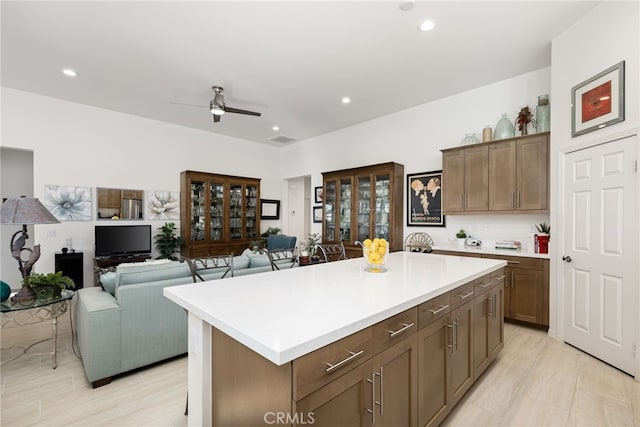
x=72, y=265
x=507, y=176
x=465, y=176
x=434, y=358
x=519, y=174
x=488, y=331
x=461, y=376
x=220, y=213
x=362, y=203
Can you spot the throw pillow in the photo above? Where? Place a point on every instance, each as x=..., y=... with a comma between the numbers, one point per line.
x=108, y=282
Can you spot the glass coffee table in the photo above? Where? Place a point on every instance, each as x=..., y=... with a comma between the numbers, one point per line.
x=15, y=315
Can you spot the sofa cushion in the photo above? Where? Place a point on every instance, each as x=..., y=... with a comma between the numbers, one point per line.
x=152, y=271
x=108, y=282
x=258, y=260
x=280, y=241
x=242, y=261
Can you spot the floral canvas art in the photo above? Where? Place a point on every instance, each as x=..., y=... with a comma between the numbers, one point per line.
x=163, y=205
x=68, y=203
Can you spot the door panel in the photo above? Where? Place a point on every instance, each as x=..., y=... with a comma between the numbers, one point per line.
x=600, y=286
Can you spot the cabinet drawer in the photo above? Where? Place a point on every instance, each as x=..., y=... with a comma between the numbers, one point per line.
x=462, y=294
x=394, y=329
x=519, y=261
x=434, y=309
x=482, y=284
x=498, y=276
x=322, y=366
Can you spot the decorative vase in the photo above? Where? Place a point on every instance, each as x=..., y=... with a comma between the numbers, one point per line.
x=504, y=129
x=542, y=241
x=47, y=292
x=487, y=134
x=461, y=241
x=470, y=139
x=543, y=114
x=24, y=296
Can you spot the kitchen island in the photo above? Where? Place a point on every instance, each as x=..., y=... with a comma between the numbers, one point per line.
x=274, y=343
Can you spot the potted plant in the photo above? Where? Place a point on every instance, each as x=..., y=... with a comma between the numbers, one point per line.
x=542, y=238
x=462, y=236
x=167, y=242
x=50, y=285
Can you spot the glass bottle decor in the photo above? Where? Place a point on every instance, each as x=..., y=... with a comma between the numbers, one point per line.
x=543, y=112
x=504, y=129
x=470, y=139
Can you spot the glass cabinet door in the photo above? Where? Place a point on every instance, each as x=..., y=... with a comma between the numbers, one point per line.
x=251, y=194
x=235, y=211
x=198, y=210
x=363, y=208
x=382, y=201
x=330, y=200
x=345, y=210
x=216, y=211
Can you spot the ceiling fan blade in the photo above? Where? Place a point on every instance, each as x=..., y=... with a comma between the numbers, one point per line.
x=239, y=111
x=216, y=118
x=189, y=105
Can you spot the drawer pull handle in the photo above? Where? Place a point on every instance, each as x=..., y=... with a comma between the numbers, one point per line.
x=513, y=262
x=465, y=296
x=401, y=330
x=500, y=278
x=486, y=285
x=442, y=307
x=343, y=362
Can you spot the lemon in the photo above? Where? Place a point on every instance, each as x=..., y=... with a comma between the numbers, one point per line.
x=382, y=250
x=367, y=243
x=383, y=241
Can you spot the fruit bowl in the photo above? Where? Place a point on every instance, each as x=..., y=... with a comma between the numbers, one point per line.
x=375, y=253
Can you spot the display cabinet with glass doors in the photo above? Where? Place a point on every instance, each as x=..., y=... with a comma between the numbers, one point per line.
x=219, y=213
x=364, y=202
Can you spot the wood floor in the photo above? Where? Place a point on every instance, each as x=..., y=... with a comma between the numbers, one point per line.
x=536, y=381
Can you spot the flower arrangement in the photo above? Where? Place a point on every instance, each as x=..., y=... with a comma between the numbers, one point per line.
x=524, y=118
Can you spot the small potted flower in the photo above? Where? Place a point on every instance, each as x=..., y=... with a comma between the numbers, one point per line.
x=524, y=118
x=462, y=236
x=542, y=238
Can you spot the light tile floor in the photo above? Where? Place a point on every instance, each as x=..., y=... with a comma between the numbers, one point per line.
x=536, y=381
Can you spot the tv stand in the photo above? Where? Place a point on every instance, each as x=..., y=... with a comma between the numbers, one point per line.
x=103, y=264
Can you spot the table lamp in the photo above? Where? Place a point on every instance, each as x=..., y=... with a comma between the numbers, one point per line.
x=24, y=210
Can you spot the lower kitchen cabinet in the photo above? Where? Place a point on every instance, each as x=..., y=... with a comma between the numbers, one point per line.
x=488, y=330
x=394, y=385
x=346, y=401
x=433, y=362
x=460, y=375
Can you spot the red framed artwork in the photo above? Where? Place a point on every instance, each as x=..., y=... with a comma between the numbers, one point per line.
x=599, y=101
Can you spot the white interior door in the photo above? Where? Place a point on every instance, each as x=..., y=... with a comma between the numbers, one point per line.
x=600, y=251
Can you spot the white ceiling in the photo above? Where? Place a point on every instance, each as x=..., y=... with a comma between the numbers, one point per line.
x=292, y=61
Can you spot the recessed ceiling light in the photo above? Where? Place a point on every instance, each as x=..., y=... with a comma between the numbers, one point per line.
x=427, y=25
x=69, y=72
x=275, y=128
x=406, y=5
x=346, y=100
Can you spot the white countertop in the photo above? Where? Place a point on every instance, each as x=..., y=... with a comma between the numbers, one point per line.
x=286, y=314
x=490, y=251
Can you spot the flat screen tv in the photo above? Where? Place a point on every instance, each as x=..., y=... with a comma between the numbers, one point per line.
x=122, y=240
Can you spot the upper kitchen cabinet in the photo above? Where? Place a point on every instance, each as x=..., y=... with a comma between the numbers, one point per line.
x=506, y=176
x=219, y=213
x=362, y=203
x=465, y=179
x=519, y=174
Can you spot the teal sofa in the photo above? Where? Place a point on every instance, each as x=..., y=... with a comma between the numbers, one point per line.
x=130, y=324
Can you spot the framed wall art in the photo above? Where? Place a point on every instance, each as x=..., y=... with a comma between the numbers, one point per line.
x=68, y=202
x=598, y=101
x=424, y=199
x=318, y=194
x=317, y=214
x=269, y=209
x=163, y=205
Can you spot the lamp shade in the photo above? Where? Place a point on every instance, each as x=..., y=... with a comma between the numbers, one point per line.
x=25, y=210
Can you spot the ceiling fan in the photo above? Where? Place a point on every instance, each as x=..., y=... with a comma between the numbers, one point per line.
x=218, y=107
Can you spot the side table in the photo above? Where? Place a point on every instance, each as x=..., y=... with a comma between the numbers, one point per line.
x=16, y=315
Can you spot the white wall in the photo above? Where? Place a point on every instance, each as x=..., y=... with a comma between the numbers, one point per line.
x=414, y=138
x=16, y=180
x=74, y=144
x=605, y=36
